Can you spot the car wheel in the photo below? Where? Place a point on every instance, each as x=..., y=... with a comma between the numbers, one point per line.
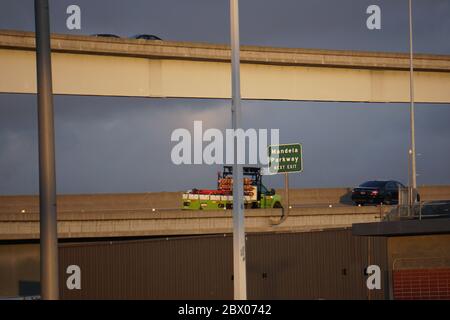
x=387, y=200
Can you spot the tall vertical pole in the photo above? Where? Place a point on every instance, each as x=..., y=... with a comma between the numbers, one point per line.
x=412, y=152
x=47, y=179
x=240, y=276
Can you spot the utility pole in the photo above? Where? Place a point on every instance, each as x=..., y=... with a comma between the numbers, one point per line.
x=412, y=151
x=47, y=177
x=239, y=264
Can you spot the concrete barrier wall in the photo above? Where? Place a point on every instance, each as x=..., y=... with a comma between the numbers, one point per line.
x=89, y=202
x=318, y=195
x=431, y=193
x=123, y=223
x=343, y=195
x=172, y=200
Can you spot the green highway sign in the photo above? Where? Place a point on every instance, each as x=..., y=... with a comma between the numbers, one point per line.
x=285, y=158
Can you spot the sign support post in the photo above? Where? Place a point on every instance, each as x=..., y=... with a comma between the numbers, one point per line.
x=285, y=158
x=286, y=190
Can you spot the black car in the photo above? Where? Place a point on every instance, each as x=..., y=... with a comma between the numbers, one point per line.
x=376, y=192
x=146, y=37
x=106, y=35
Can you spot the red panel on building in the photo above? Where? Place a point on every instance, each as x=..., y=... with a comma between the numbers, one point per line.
x=424, y=284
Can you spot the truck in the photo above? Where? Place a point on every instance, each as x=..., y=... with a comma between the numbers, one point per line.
x=256, y=195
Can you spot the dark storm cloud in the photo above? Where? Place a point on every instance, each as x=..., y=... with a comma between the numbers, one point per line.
x=104, y=144
x=123, y=144
x=345, y=143
x=342, y=25
x=18, y=144
x=326, y=24
x=127, y=151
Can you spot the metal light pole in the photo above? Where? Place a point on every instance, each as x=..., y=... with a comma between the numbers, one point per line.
x=47, y=179
x=239, y=268
x=412, y=152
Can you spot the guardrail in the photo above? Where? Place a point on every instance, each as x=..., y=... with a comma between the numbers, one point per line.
x=420, y=210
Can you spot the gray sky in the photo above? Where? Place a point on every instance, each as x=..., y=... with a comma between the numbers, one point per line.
x=123, y=144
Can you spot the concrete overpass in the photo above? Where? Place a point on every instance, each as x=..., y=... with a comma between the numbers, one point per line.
x=157, y=214
x=84, y=65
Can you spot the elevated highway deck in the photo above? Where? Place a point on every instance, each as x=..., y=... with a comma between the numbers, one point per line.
x=158, y=214
x=87, y=65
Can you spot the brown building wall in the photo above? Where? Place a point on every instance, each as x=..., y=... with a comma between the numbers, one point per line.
x=311, y=265
x=19, y=269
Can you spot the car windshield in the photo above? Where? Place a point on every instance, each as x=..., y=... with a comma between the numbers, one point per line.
x=373, y=184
